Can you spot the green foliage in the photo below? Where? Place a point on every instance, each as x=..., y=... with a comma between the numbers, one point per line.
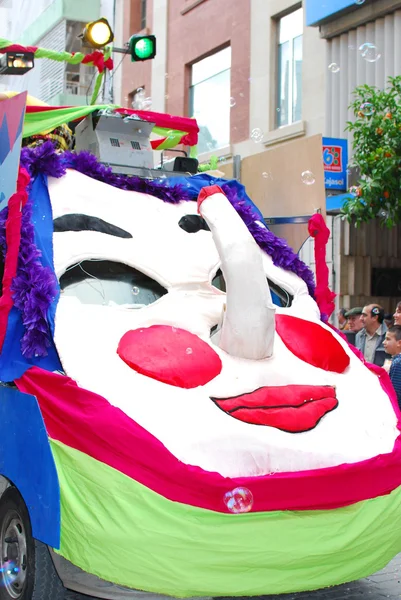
x=377, y=154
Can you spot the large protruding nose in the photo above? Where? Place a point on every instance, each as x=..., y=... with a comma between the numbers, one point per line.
x=249, y=320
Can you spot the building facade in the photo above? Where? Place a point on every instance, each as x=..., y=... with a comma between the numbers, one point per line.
x=261, y=74
x=255, y=74
x=364, y=42
x=52, y=24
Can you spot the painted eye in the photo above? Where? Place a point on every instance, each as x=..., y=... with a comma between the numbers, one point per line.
x=107, y=282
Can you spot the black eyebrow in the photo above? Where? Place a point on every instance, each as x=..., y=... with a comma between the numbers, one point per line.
x=193, y=223
x=79, y=222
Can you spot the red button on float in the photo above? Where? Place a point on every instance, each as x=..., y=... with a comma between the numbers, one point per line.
x=312, y=343
x=174, y=356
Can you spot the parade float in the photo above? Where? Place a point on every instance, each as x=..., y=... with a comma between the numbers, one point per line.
x=177, y=415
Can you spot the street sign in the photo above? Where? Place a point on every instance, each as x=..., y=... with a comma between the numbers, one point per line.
x=335, y=161
x=317, y=11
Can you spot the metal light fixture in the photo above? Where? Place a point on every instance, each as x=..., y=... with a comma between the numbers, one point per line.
x=16, y=63
x=97, y=34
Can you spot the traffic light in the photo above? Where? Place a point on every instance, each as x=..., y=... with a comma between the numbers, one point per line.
x=142, y=47
x=97, y=34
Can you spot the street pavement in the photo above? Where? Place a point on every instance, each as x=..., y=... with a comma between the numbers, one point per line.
x=384, y=584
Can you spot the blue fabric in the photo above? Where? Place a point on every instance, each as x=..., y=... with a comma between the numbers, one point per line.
x=26, y=459
x=12, y=363
x=195, y=183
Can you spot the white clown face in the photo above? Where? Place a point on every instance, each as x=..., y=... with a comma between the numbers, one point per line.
x=142, y=322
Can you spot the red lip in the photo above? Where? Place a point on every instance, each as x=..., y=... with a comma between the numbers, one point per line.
x=291, y=408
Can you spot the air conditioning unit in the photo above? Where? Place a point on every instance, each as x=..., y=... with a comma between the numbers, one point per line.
x=120, y=142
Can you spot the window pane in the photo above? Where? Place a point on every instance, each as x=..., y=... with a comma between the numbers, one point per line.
x=210, y=105
x=289, y=90
x=284, y=79
x=297, y=80
x=212, y=65
x=291, y=25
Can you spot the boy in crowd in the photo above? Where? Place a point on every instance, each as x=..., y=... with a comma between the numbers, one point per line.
x=392, y=345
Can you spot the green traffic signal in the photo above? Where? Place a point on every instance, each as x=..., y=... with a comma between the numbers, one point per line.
x=142, y=47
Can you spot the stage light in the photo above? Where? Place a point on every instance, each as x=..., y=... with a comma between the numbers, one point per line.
x=142, y=47
x=16, y=63
x=97, y=34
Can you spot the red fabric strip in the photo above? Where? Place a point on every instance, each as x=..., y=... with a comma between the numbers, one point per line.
x=13, y=238
x=164, y=120
x=318, y=229
x=34, y=109
x=87, y=422
x=18, y=48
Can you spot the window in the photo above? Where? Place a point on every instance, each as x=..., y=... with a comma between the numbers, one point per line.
x=210, y=100
x=289, y=89
x=143, y=14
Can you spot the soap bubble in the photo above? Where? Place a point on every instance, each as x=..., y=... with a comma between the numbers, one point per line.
x=188, y=351
x=369, y=52
x=265, y=175
x=239, y=500
x=353, y=189
x=367, y=109
x=257, y=135
x=232, y=102
x=308, y=178
x=135, y=291
x=334, y=67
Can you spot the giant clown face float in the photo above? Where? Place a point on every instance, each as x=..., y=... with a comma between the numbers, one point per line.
x=212, y=436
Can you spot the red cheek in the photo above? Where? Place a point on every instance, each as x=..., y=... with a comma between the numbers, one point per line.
x=312, y=343
x=171, y=355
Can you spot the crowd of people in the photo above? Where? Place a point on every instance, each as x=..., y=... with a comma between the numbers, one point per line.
x=377, y=335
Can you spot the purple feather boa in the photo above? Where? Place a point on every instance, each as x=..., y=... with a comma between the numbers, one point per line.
x=35, y=286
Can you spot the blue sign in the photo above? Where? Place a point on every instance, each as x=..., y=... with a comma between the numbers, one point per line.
x=319, y=10
x=335, y=161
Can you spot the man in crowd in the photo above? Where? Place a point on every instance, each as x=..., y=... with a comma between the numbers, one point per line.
x=342, y=319
x=354, y=316
x=370, y=339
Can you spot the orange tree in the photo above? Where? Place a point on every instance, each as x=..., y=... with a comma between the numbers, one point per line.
x=377, y=154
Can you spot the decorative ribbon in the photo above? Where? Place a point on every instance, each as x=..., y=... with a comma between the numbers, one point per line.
x=11, y=252
x=174, y=130
x=100, y=60
x=324, y=296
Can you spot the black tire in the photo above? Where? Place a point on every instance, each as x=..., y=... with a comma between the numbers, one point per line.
x=26, y=568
